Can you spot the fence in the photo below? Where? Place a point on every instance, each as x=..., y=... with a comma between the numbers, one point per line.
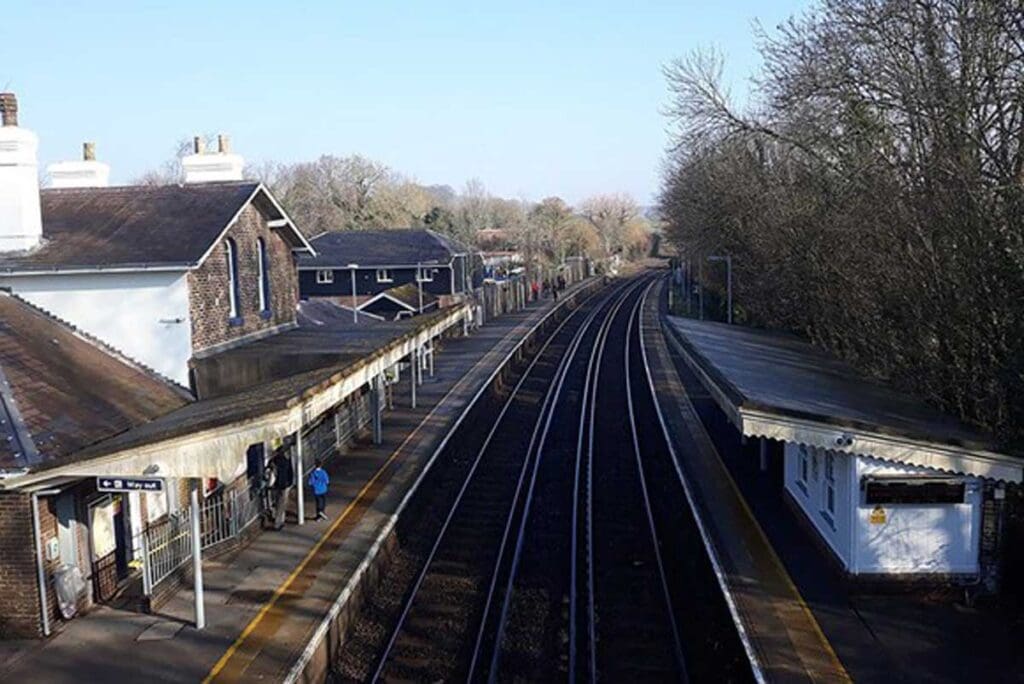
x=167, y=545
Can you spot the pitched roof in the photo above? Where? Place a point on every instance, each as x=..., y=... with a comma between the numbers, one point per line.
x=62, y=392
x=138, y=226
x=397, y=247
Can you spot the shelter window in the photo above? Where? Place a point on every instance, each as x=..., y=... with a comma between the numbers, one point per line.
x=914, y=491
x=425, y=275
x=261, y=254
x=384, y=275
x=803, y=468
x=829, y=490
x=324, y=277
x=231, y=254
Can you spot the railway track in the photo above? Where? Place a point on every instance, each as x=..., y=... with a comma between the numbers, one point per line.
x=558, y=547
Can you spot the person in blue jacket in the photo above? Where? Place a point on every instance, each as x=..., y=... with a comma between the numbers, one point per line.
x=318, y=481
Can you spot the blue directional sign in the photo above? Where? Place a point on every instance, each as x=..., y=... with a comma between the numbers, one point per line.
x=130, y=484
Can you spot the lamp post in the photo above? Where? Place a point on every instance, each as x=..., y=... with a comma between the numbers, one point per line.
x=728, y=270
x=355, y=310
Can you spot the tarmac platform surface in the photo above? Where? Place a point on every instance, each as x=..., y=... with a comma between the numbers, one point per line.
x=265, y=600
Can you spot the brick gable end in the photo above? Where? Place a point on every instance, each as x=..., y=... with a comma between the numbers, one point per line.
x=208, y=285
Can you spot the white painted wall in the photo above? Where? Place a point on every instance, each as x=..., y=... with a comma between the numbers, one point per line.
x=939, y=538
x=835, y=529
x=933, y=538
x=125, y=310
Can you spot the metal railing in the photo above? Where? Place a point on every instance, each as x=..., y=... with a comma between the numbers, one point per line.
x=167, y=545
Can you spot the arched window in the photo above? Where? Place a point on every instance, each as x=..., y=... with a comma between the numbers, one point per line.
x=264, y=273
x=231, y=254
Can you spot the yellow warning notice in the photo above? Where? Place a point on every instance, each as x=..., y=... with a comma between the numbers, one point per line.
x=877, y=516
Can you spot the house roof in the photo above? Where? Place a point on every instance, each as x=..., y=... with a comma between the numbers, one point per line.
x=136, y=227
x=769, y=379
x=398, y=247
x=63, y=392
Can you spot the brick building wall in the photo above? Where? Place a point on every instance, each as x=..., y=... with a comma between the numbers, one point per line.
x=19, y=589
x=209, y=296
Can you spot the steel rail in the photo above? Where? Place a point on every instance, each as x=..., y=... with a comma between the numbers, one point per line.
x=424, y=571
x=616, y=298
x=677, y=644
x=749, y=649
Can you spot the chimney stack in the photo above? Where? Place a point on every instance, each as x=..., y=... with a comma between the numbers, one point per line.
x=21, y=225
x=87, y=173
x=209, y=167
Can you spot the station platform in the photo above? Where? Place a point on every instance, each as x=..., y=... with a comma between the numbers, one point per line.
x=803, y=621
x=780, y=629
x=265, y=600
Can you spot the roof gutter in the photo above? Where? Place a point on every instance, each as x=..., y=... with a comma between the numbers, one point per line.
x=78, y=270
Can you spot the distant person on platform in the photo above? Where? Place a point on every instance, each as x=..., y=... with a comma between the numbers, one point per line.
x=284, y=478
x=318, y=481
x=561, y=282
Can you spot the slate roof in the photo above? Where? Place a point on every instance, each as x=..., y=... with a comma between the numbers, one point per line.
x=133, y=226
x=64, y=392
x=397, y=247
x=780, y=374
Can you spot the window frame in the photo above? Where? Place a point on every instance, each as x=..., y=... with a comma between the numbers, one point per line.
x=425, y=274
x=388, y=277
x=234, y=293
x=803, y=467
x=263, y=267
x=828, y=489
x=328, y=280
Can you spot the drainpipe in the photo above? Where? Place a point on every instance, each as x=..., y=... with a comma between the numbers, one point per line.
x=40, y=569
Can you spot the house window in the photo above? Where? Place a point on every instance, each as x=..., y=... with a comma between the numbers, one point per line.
x=231, y=254
x=829, y=489
x=803, y=468
x=264, y=272
x=324, y=277
x=425, y=275
x=384, y=275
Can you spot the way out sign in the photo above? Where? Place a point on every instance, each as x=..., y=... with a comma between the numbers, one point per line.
x=130, y=484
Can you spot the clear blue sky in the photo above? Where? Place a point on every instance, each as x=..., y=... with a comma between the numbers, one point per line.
x=532, y=98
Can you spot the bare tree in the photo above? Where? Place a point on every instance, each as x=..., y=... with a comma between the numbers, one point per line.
x=610, y=215
x=872, y=194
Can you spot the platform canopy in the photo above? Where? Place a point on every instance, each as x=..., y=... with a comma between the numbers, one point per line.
x=208, y=438
x=777, y=386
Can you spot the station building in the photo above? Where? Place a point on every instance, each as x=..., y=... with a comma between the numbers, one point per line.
x=156, y=332
x=891, y=489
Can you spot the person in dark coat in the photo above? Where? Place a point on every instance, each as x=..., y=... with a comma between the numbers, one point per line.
x=284, y=478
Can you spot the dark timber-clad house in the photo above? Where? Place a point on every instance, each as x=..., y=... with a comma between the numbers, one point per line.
x=383, y=260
